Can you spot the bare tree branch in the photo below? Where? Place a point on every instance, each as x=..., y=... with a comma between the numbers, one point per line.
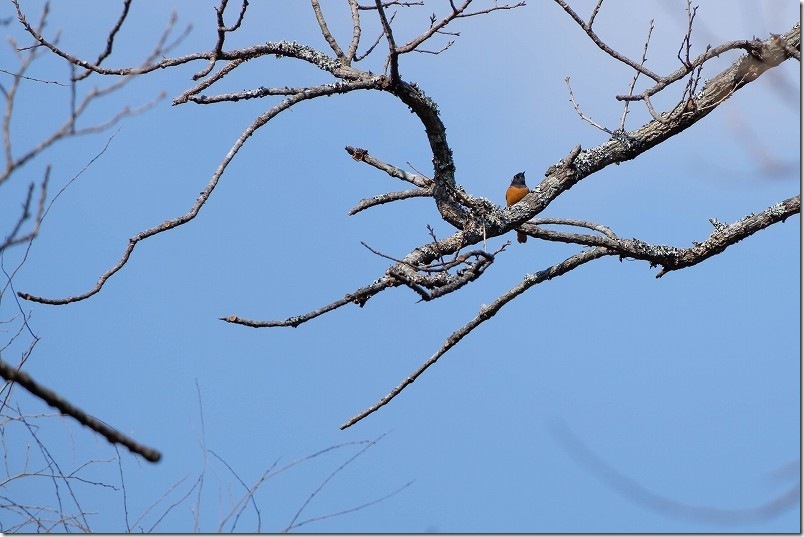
x=110, y=38
x=636, y=76
x=390, y=197
x=581, y=114
x=53, y=399
x=671, y=258
x=359, y=297
x=14, y=238
x=486, y=313
x=356, y=31
x=393, y=54
x=444, y=265
x=322, y=24
x=222, y=30
x=68, y=128
x=363, y=155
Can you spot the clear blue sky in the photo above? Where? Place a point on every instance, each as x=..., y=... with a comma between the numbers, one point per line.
x=682, y=390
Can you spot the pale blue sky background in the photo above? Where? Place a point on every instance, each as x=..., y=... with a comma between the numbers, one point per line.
x=688, y=385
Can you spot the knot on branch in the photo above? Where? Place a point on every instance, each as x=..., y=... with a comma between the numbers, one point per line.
x=568, y=165
x=655, y=254
x=718, y=225
x=356, y=152
x=629, y=143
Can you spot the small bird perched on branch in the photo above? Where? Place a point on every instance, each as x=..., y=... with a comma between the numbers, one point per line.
x=516, y=192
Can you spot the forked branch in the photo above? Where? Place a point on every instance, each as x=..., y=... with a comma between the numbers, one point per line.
x=485, y=313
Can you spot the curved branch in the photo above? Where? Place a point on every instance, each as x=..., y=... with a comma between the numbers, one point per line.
x=308, y=93
x=443, y=164
x=640, y=495
x=97, y=68
x=426, y=109
x=389, y=197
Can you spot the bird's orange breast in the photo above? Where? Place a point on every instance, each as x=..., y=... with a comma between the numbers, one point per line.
x=514, y=194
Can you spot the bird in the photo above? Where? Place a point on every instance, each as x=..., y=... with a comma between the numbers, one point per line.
x=516, y=192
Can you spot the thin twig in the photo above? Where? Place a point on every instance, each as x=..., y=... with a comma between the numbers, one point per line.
x=578, y=109
x=636, y=76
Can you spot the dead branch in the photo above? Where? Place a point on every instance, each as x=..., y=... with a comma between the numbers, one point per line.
x=581, y=114
x=728, y=235
x=390, y=197
x=322, y=25
x=670, y=258
x=426, y=270
x=582, y=163
x=485, y=313
x=457, y=12
x=359, y=297
x=363, y=155
x=68, y=129
x=587, y=27
x=636, y=77
x=53, y=399
x=110, y=38
x=14, y=237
